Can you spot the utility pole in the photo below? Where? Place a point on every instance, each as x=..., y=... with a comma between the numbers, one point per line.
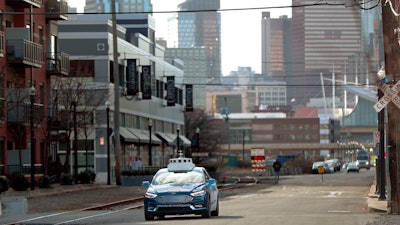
x=117, y=145
x=392, y=66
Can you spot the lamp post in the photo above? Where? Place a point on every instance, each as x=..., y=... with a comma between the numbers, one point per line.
x=225, y=112
x=243, y=142
x=74, y=103
x=150, y=155
x=108, y=142
x=177, y=140
x=198, y=141
x=32, y=93
x=382, y=123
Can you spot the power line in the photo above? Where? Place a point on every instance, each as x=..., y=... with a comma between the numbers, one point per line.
x=319, y=3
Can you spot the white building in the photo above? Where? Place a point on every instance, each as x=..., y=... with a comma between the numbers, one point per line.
x=88, y=39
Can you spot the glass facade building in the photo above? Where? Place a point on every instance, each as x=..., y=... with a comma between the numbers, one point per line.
x=201, y=27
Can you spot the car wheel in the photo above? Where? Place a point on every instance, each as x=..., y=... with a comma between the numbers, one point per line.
x=148, y=217
x=207, y=214
x=161, y=217
x=216, y=211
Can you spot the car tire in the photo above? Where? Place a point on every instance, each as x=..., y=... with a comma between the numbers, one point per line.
x=161, y=217
x=216, y=211
x=207, y=214
x=148, y=217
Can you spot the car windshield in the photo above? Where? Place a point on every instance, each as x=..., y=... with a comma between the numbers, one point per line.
x=318, y=164
x=178, y=178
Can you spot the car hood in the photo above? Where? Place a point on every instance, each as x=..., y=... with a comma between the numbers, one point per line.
x=166, y=188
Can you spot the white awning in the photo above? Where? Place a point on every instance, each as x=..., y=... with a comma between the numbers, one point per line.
x=143, y=136
x=165, y=138
x=127, y=136
x=183, y=141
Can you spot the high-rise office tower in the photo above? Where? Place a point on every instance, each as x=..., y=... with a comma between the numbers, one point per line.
x=276, y=46
x=201, y=27
x=104, y=6
x=324, y=38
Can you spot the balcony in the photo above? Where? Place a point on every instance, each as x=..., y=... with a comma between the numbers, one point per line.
x=56, y=10
x=25, y=53
x=57, y=63
x=24, y=3
x=2, y=45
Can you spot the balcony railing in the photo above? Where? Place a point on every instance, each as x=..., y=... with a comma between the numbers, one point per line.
x=21, y=113
x=24, y=3
x=57, y=63
x=25, y=169
x=2, y=45
x=24, y=53
x=56, y=10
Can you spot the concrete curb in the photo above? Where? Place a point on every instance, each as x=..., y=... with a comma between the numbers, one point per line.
x=374, y=204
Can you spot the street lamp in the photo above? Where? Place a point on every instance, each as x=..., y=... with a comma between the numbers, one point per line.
x=198, y=141
x=32, y=93
x=74, y=103
x=177, y=140
x=150, y=155
x=225, y=112
x=243, y=142
x=108, y=142
x=382, y=123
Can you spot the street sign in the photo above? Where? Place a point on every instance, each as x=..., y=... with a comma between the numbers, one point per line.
x=390, y=94
x=377, y=137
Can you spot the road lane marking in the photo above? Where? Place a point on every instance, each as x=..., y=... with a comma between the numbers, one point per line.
x=338, y=211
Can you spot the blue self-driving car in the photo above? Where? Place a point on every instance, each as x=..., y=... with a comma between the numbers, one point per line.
x=181, y=188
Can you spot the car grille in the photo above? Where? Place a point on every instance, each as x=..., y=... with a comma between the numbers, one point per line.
x=174, y=199
x=169, y=209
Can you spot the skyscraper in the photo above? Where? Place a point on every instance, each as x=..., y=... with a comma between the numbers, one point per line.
x=276, y=46
x=324, y=38
x=201, y=27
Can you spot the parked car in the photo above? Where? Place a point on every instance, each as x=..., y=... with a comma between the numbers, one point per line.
x=352, y=167
x=181, y=188
x=334, y=163
x=318, y=164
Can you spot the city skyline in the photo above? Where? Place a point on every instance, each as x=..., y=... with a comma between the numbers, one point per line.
x=239, y=49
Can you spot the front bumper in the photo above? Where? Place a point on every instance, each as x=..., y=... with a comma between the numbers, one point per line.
x=197, y=205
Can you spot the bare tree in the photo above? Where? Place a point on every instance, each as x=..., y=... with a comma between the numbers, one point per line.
x=74, y=101
x=211, y=131
x=19, y=117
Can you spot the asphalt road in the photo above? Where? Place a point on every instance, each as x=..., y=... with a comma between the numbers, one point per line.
x=338, y=198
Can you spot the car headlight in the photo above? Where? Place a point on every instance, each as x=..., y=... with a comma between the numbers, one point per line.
x=150, y=195
x=197, y=193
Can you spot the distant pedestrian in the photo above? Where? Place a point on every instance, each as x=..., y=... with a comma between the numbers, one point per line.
x=277, y=168
x=136, y=166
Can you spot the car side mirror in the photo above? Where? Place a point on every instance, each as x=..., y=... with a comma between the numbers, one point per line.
x=212, y=181
x=146, y=184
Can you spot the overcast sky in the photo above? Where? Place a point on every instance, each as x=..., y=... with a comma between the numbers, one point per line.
x=241, y=30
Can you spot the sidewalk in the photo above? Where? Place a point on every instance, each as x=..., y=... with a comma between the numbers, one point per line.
x=374, y=204
x=55, y=189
